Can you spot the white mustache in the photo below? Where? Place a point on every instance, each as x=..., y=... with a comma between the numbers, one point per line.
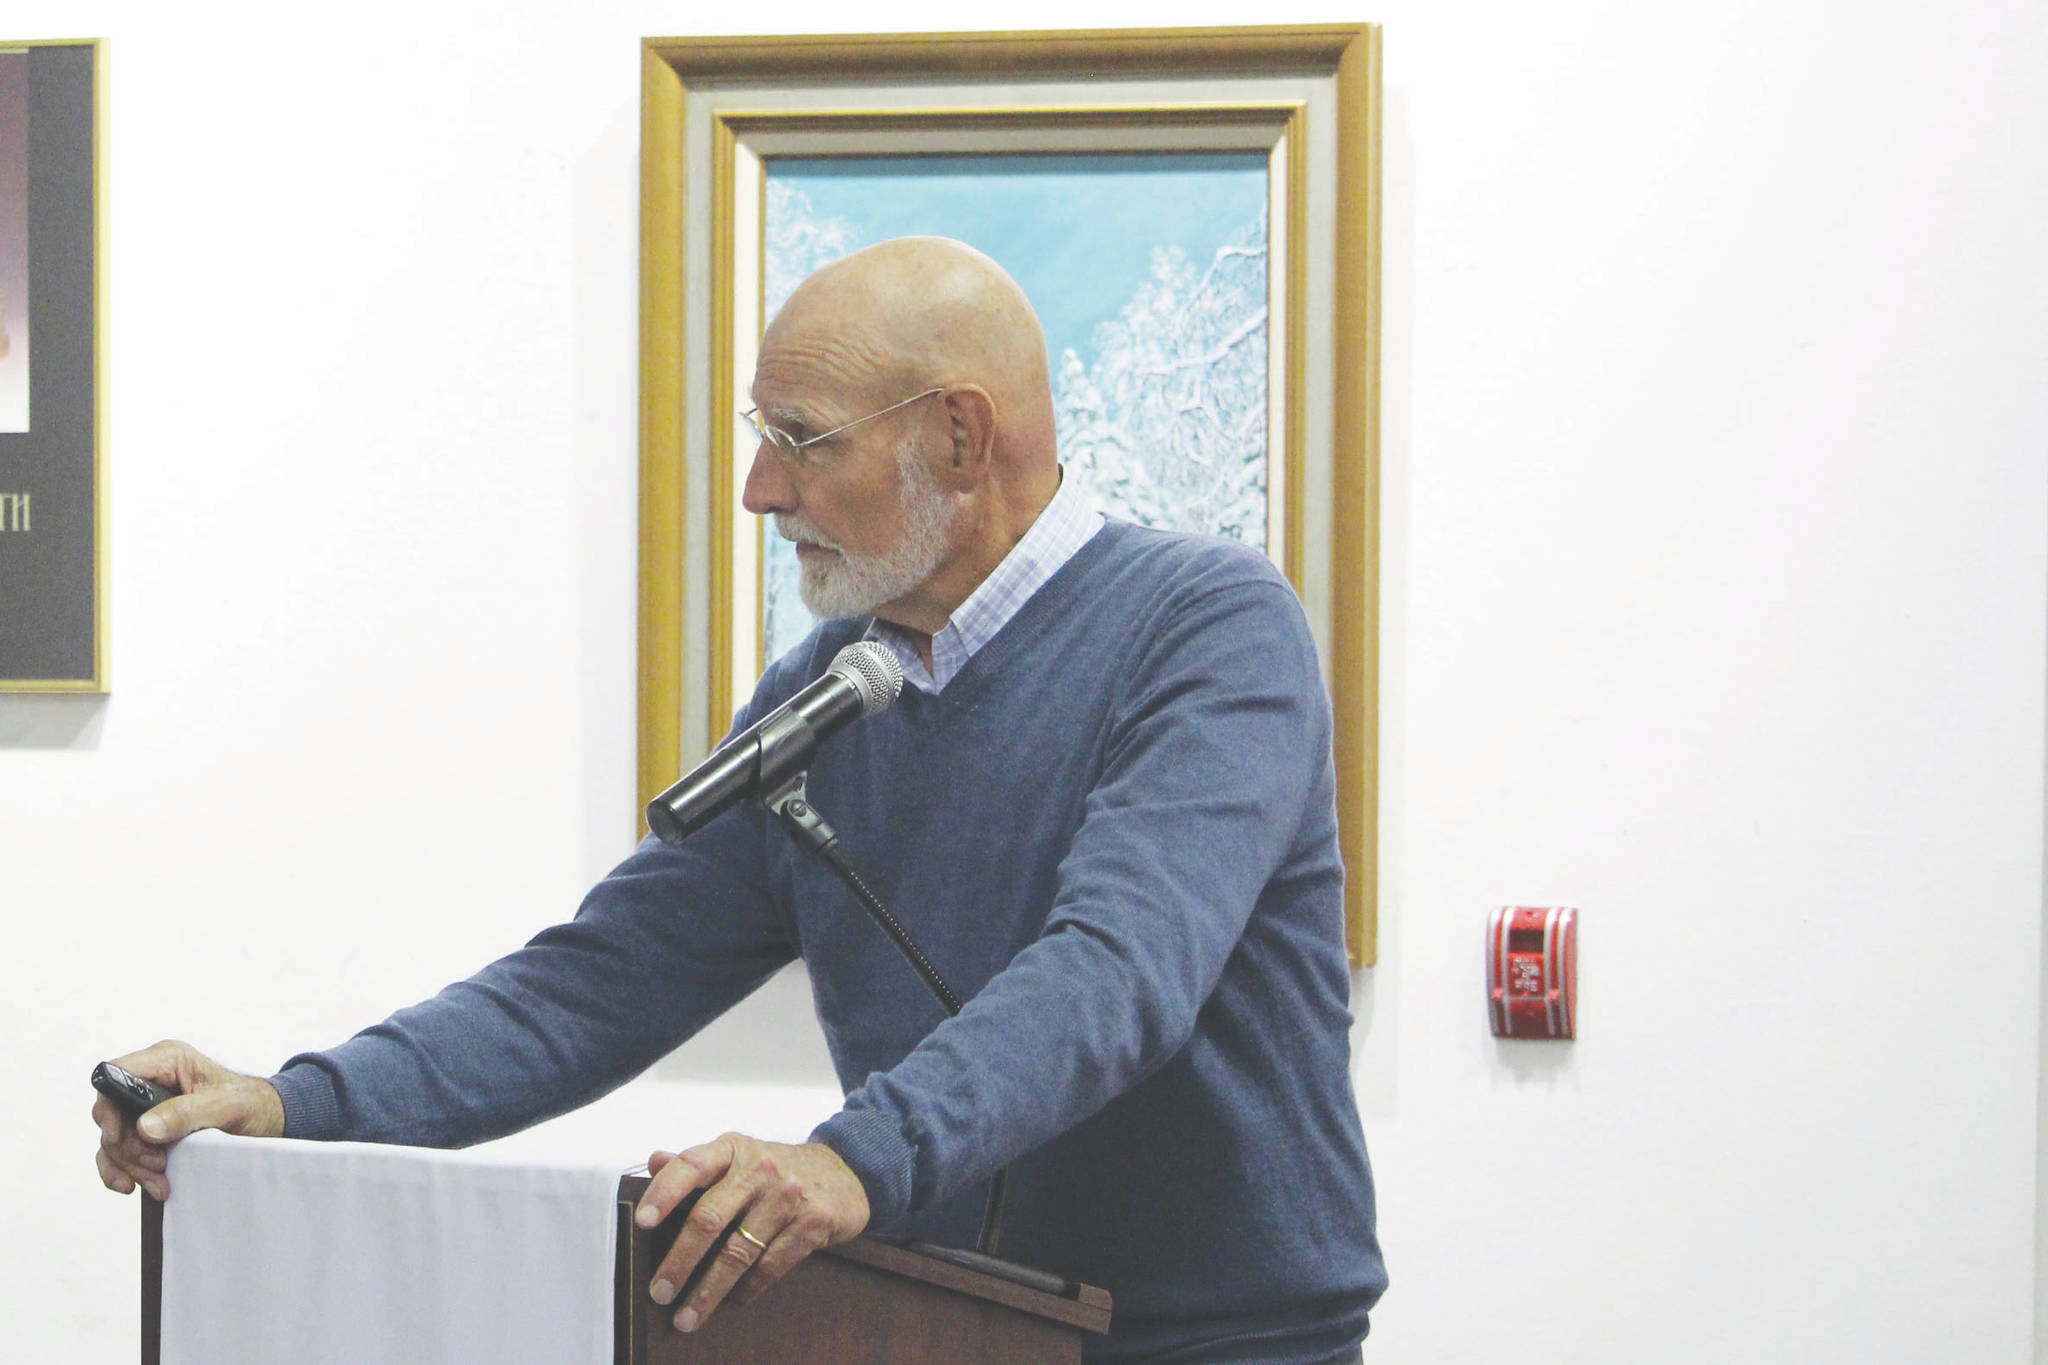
x=792, y=527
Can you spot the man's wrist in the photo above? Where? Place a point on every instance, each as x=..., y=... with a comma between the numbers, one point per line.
x=269, y=1119
x=872, y=1147
x=309, y=1106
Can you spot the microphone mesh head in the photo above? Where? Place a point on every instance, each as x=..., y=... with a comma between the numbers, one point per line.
x=874, y=673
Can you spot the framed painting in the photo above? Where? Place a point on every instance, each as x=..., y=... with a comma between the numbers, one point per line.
x=1194, y=215
x=52, y=530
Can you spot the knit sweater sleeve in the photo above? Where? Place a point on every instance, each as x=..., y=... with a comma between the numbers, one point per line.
x=1221, y=731
x=670, y=939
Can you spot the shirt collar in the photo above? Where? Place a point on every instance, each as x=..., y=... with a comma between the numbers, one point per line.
x=1059, y=532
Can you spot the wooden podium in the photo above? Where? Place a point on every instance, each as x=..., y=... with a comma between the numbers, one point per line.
x=864, y=1303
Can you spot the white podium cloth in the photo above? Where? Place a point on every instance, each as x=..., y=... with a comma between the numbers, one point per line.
x=351, y=1254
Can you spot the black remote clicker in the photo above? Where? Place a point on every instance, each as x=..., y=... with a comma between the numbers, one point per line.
x=134, y=1095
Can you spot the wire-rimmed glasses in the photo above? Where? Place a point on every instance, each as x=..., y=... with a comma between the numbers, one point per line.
x=790, y=447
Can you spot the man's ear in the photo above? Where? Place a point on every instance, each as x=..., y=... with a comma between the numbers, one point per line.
x=971, y=433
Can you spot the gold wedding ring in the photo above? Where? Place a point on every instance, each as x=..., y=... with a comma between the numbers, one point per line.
x=752, y=1238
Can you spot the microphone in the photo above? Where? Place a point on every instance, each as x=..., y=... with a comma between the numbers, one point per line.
x=864, y=678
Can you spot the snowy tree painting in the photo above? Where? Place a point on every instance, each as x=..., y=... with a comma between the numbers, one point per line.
x=796, y=241
x=1166, y=422
x=1149, y=274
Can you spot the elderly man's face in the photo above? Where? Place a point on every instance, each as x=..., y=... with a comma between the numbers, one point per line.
x=869, y=521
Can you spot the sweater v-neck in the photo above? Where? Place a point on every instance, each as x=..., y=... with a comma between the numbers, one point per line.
x=1026, y=626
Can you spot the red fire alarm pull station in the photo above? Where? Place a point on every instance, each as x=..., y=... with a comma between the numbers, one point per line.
x=1532, y=971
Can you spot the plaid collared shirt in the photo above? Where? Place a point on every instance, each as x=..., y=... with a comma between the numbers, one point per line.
x=1062, y=528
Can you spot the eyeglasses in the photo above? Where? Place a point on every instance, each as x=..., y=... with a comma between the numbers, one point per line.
x=789, y=446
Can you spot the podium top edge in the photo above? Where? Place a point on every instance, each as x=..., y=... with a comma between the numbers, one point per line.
x=1089, y=1309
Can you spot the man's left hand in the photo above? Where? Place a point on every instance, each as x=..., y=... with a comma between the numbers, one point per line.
x=765, y=1207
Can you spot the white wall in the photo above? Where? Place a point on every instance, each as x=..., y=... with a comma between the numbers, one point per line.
x=1714, y=604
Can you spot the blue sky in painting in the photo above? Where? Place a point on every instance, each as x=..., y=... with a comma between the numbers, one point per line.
x=1076, y=231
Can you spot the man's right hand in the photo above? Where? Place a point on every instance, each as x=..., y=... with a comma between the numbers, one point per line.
x=135, y=1152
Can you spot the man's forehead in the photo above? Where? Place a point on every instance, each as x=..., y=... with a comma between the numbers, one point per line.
x=801, y=383
x=790, y=398
x=854, y=343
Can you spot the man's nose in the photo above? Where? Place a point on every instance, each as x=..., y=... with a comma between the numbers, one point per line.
x=768, y=488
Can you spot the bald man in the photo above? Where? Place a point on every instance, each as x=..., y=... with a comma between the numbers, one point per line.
x=1105, y=808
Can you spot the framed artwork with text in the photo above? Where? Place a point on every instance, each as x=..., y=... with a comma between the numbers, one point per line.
x=52, y=533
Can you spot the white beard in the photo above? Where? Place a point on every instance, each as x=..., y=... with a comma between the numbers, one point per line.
x=848, y=584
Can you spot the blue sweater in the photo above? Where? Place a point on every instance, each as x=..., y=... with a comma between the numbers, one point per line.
x=1115, y=833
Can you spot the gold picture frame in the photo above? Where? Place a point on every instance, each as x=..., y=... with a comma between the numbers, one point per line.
x=714, y=108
